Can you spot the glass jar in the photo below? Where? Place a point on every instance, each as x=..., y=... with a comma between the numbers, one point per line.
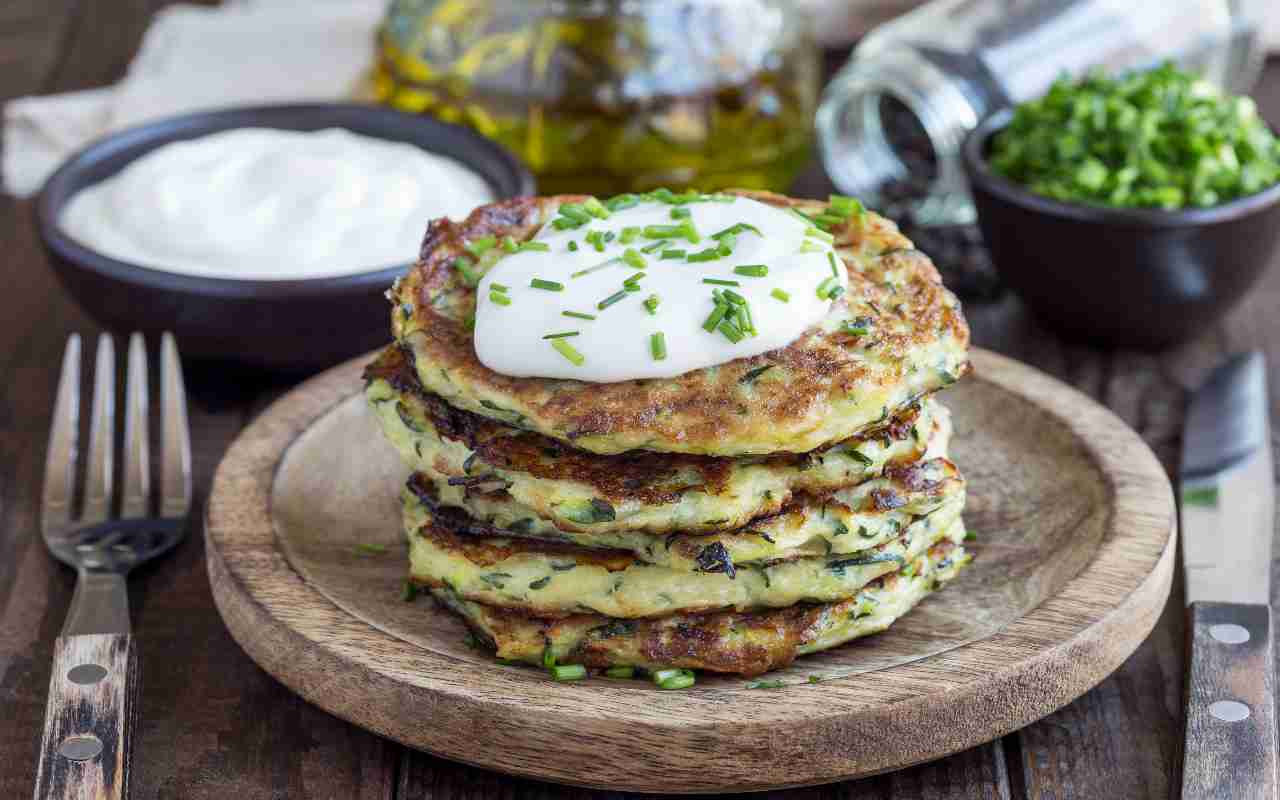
x=606, y=96
x=890, y=124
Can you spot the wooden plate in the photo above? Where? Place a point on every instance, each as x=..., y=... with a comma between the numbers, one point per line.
x=1075, y=549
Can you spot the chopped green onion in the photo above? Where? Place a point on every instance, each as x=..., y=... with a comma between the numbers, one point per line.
x=573, y=246
x=824, y=288
x=628, y=234
x=662, y=231
x=550, y=286
x=548, y=657
x=541, y=247
x=498, y=287
x=818, y=233
x=716, y=316
x=597, y=240
x=731, y=332
x=620, y=672
x=463, y=268
x=680, y=212
x=565, y=349
x=845, y=206
x=720, y=282
x=744, y=320
x=592, y=269
x=499, y=299
x=634, y=280
x=595, y=208
x=633, y=258
x=835, y=292
x=658, y=346
x=651, y=304
x=568, y=672
x=781, y=294
x=796, y=212
x=752, y=270
x=561, y=335
x=577, y=315
x=711, y=253
x=575, y=212
x=673, y=678
x=611, y=299
x=651, y=246
x=371, y=549
x=667, y=254
x=478, y=247
x=734, y=297
x=835, y=270
x=830, y=220
x=621, y=201
x=689, y=231
x=564, y=223
x=735, y=229
x=811, y=247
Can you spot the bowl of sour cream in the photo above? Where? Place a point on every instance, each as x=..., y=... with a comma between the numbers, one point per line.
x=263, y=235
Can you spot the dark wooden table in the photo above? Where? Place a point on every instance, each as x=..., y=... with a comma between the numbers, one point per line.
x=215, y=726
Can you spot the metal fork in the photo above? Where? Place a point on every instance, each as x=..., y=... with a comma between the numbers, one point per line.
x=85, y=749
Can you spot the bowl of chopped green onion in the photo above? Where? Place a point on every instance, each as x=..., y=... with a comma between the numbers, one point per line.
x=1129, y=211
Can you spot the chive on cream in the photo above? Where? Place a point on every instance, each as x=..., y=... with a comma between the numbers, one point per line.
x=550, y=286
x=658, y=346
x=571, y=355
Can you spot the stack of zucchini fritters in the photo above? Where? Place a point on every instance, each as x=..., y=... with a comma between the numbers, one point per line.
x=728, y=519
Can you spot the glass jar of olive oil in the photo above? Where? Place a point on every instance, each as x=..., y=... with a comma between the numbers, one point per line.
x=607, y=96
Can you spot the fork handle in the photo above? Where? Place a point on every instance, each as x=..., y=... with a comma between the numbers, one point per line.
x=85, y=749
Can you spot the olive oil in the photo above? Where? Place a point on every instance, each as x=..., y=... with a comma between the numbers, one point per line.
x=602, y=98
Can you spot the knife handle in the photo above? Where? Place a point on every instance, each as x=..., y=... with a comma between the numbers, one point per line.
x=85, y=749
x=1229, y=752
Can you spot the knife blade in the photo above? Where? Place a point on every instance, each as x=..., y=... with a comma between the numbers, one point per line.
x=1227, y=508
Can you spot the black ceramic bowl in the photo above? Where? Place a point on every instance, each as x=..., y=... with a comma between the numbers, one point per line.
x=1117, y=276
x=295, y=325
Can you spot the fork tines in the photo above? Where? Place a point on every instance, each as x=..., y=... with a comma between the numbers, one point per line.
x=136, y=494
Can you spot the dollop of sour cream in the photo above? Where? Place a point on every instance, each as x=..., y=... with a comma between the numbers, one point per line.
x=775, y=262
x=267, y=204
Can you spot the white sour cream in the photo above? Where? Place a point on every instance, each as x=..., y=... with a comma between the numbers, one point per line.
x=616, y=345
x=267, y=204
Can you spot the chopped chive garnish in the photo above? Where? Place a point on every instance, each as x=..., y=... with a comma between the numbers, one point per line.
x=818, y=233
x=595, y=268
x=568, y=672
x=621, y=201
x=509, y=244
x=573, y=246
x=752, y=270
x=597, y=240
x=463, y=267
x=689, y=231
x=620, y=672
x=714, y=319
x=369, y=548
x=735, y=229
x=575, y=212
x=595, y=208
x=801, y=215
x=541, y=247
x=634, y=281
x=565, y=349
x=550, y=286
x=731, y=332
x=734, y=297
x=810, y=247
x=628, y=234
x=564, y=224
x=633, y=258
x=845, y=206
x=651, y=304
x=548, y=657
x=835, y=270
x=835, y=292
x=658, y=346
x=577, y=315
x=561, y=335
x=830, y=220
x=720, y=282
x=859, y=326
x=652, y=246
x=499, y=299
x=662, y=231
x=744, y=320
x=666, y=254
x=478, y=247
x=680, y=212
x=611, y=299
x=710, y=254
x=781, y=294
x=498, y=287
x=674, y=678
x=824, y=288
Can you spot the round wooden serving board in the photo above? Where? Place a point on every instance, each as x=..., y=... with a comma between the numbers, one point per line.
x=1075, y=525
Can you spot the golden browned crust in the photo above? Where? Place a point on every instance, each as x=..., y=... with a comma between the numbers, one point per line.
x=830, y=383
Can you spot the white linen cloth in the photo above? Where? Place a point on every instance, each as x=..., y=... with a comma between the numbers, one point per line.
x=196, y=58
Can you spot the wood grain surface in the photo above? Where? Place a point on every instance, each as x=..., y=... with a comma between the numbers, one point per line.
x=213, y=725
x=1072, y=509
